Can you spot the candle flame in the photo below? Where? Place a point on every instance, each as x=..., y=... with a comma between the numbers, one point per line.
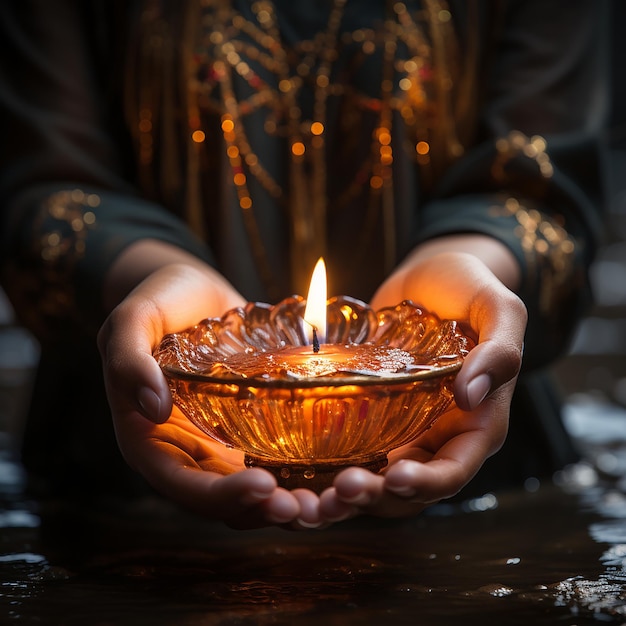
x=315, y=311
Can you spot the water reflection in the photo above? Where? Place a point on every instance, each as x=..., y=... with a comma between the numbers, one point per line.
x=601, y=487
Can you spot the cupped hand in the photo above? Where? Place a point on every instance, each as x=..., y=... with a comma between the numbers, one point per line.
x=437, y=465
x=159, y=442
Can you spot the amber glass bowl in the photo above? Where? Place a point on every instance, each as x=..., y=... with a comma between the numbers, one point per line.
x=251, y=381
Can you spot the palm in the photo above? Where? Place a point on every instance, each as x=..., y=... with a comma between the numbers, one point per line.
x=178, y=440
x=200, y=474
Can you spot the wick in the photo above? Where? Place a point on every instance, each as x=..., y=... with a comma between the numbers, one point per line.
x=316, y=341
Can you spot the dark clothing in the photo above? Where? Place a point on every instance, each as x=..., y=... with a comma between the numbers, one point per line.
x=99, y=101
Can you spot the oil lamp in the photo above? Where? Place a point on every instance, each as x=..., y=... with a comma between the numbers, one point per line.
x=306, y=388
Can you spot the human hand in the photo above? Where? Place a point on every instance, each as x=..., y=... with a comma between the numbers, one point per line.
x=155, y=439
x=460, y=286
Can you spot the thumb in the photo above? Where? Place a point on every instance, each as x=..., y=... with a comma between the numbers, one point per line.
x=133, y=379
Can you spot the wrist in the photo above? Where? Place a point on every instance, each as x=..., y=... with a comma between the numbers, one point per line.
x=138, y=261
x=493, y=253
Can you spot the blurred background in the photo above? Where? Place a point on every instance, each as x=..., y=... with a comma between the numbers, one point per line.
x=593, y=373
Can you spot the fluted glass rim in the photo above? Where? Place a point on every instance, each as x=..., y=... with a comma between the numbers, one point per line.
x=282, y=323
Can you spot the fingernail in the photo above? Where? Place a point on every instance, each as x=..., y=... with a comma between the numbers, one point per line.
x=254, y=497
x=304, y=524
x=260, y=495
x=360, y=499
x=150, y=404
x=478, y=389
x=402, y=490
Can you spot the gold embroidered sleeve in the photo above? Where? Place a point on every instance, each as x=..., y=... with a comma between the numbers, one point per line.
x=548, y=222
x=62, y=243
x=41, y=283
x=548, y=249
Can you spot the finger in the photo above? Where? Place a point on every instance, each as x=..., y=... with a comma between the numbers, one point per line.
x=427, y=483
x=333, y=509
x=161, y=304
x=489, y=366
x=281, y=509
x=182, y=295
x=133, y=379
x=357, y=486
x=456, y=462
x=497, y=358
x=496, y=316
x=309, y=516
x=185, y=465
x=358, y=491
x=175, y=473
x=245, y=499
x=354, y=490
x=202, y=475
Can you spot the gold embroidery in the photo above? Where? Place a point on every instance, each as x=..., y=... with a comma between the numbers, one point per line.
x=417, y=51
x=43, y=285
x=73, y=216
x=549, y=250
x=517, y=143
x=415, y=96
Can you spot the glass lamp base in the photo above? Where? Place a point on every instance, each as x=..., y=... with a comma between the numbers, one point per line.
x=316, y=475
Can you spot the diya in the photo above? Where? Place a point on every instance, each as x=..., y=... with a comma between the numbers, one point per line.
x=305, y=394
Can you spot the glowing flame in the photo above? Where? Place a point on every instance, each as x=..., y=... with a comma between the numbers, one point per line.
x=315, y=312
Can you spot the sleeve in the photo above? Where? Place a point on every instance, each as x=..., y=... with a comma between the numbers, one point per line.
x=534, y=178
x=67, y=209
